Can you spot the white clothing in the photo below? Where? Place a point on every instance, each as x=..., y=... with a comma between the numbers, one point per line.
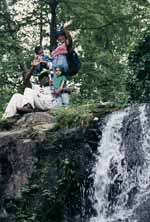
x=43, y=98
x=40, y=98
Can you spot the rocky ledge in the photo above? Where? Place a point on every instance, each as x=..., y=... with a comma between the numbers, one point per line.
x=17, y=145
x=45, y=172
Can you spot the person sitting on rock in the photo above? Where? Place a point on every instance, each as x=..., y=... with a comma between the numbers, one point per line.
x=61, y=92
x=37, y=97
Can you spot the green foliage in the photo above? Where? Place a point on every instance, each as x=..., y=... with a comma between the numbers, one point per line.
x=81, y=115
x=74, y=116
x=106, y=33
x=10, y=55
x=139, y=77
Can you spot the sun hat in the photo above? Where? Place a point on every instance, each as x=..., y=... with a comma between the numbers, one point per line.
x=44, y=72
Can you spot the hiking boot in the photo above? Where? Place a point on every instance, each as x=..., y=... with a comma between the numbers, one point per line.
x=25, y=109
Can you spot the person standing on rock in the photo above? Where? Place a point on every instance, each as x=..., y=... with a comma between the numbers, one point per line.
x=38, y=97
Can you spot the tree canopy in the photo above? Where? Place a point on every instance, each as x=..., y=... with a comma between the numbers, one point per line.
x=104, y=34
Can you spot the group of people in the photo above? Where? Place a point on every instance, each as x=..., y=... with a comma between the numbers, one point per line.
x=46, y=80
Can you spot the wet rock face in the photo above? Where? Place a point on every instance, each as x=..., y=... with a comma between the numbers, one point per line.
x=134, y=157
x=132, y=139
x=142, y=212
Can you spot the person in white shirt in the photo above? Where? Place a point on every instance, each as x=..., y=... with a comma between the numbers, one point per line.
x=38, y=97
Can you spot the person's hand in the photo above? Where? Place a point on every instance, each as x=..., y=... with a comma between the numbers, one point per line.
x=67, y=24
x=56, y=92
x=50, y=82
x=53, y=93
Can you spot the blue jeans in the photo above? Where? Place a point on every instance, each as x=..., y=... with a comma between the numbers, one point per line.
x=62, y=99
x=62, y=61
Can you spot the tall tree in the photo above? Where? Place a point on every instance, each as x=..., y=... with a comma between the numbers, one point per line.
x=107, y=33
x=103, y=31
x=139, y=77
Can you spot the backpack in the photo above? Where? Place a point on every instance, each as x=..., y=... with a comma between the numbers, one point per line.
x=73, y=63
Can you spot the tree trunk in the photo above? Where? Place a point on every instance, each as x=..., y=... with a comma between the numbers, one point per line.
x=53, y=6
x=41, y=24
x=53, y=42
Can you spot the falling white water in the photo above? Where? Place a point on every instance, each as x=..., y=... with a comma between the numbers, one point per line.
x=112, y=151
x=144, y=173
x=109, y=150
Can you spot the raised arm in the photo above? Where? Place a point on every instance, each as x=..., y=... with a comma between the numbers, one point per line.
x=29, y=73
x=68, y=35
x=68, y=38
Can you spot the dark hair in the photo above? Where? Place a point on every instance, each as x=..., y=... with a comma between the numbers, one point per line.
x=60, y=33
x=59, y=67
x=37, y=49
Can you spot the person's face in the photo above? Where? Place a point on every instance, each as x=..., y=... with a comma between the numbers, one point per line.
x=41, y=52
x=61, y=39
x=44, y=81
x=58, y=71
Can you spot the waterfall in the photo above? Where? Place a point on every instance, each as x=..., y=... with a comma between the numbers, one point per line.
x=122, y=170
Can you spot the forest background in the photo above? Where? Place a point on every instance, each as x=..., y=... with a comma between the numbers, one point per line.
x=111, y=37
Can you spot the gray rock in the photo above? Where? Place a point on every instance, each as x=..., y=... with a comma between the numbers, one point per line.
x=16, y=151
